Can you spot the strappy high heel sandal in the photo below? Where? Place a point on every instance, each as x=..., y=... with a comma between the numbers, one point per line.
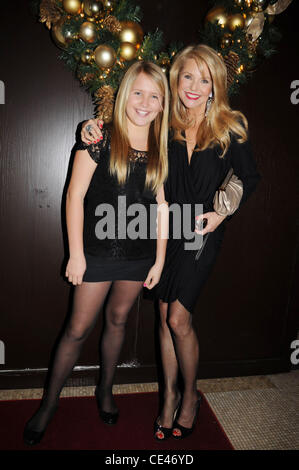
x=185, y=432
x=160, y=432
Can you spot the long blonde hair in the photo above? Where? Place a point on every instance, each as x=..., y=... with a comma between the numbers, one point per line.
x=221, y=120
x=157, y=163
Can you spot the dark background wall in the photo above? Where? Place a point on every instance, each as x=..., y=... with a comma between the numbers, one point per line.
x=247, y=315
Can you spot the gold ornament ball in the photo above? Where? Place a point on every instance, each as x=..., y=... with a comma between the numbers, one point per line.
x=87, y=57
x=104, y=56
x=235, y=21
x=88, y=31
x=108, y=4
x=57, y=35
x=127, y=51
x=217, y=15
x=62, y=36
x=131, y=32
x=73, y=7
x=92, y=7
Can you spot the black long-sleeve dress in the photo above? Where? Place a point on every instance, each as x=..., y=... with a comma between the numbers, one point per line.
x=196, y=183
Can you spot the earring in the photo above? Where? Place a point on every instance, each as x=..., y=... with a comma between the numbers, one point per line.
x=209, y=103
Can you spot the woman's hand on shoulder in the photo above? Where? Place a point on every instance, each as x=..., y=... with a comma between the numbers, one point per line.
x=153, y=276
x=93, y=134
x=75, y=269
x=213, y=220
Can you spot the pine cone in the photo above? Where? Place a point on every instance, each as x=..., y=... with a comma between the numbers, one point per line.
x=87, y=77
x=231, y=61
x=104, y=98
x=112, y=24
x=50, y=13
x=252, y=45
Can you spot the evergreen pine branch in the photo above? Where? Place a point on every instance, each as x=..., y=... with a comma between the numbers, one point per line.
x=151, y=45
x=210, y=35
x=126, y=10
x=175, y=47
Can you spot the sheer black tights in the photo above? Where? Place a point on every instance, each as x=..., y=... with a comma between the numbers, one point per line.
x=121, y=300
x=179, y=350
x=88, y=300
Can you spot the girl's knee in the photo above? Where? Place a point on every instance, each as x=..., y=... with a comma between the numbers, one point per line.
x=117, y=316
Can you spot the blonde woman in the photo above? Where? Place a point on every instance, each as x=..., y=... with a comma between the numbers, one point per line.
x=128, y=165
x=207, y=139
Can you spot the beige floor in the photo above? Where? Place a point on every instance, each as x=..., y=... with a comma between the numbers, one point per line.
x=256, y=412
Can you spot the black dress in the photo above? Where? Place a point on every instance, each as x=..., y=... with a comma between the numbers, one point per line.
x=110, y=254
x=196, y=183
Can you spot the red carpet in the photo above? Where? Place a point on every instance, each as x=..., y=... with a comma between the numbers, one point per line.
x=77, y=426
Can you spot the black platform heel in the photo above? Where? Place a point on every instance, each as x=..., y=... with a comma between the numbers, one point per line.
x=160, y=432
x=185, y=432
x=106, y=416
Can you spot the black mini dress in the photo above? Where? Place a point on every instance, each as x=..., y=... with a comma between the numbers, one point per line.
x=196, y=183
x=109, y=252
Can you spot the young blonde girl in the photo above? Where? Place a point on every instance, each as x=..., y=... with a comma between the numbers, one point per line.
x=129, y=162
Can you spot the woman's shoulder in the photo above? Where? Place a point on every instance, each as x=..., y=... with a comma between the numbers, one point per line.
x=239, y=139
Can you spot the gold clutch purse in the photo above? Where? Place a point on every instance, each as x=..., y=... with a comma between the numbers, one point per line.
x=226, y=200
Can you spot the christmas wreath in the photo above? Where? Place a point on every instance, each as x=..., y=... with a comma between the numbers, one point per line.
x=100, y=39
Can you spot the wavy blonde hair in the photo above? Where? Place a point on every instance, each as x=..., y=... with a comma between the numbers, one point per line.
x=157, y=164
x=221, y=120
